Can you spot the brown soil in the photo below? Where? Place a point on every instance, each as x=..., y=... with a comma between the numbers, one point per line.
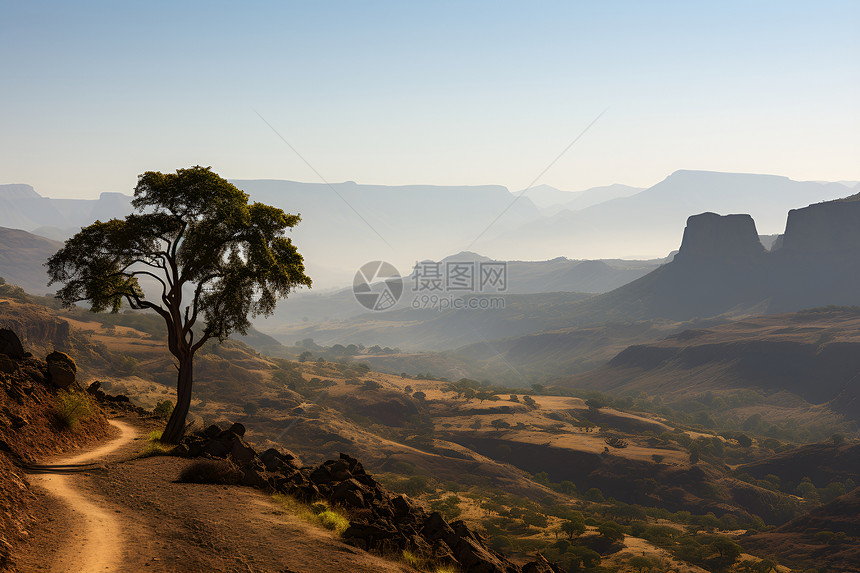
x=141, y=520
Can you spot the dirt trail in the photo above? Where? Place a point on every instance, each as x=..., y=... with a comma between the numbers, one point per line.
x=132, y=515
x=95, y=543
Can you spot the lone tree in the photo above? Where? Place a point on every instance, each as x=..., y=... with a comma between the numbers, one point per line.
x=216, y=258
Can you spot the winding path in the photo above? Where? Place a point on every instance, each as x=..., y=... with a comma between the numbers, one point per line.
x=96, y=544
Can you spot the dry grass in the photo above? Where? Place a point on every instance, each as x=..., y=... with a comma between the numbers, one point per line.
x=154, y=445
x=320, y=514
x=71, y=407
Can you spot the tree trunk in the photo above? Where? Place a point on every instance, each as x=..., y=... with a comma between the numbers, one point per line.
x=175, y=428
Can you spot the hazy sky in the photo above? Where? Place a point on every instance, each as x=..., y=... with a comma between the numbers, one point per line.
x=440, y=92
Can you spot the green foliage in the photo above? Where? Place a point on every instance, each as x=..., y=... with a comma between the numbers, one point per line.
x=216, y=258
x=580, y=558
x=448, y=507
x=72, y=406
x=640, y=563
x=566, y=487
x=611, y=530
x=412, y=486
x=154, y=445
x=573, y=527
x=333, y=521
x=13, y=292
x=163, y=409
x=320, y=514
x=372, y=385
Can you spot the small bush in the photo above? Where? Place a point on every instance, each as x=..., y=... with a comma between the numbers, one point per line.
x=154, y=445
x=333, y=521
x=320, y=514
x=163, y=409
x=211, y=471
x=412, y=560
x=71, y=407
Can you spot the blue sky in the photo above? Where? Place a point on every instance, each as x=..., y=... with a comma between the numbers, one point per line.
x=439, y=93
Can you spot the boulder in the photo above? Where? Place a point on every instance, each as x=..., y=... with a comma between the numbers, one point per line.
x=7, y=366
x=241, y=452
x=217, y=448
x=212, y=431
x=10, y=344
x=62, y=370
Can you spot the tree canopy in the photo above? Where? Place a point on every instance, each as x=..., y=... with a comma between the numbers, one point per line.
x=215, y=258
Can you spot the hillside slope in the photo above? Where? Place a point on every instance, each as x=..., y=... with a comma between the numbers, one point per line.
x=824, y=539
x=22, y=258
x=814, y=355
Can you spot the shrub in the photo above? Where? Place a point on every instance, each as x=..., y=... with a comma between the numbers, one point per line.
x=372, y=385
x=415, y=485
x=163, y=409
x=333, y=521
x=210, y=471
x=320, y=514
x=71, y=407
x=154, y=445
x=412, y=560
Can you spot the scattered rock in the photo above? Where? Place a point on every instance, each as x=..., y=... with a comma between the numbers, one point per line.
x=10, y=344
x=62, y=370
x=379, y=521
x=7, y=366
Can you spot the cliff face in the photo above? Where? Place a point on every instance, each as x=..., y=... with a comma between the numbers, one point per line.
x=709, y=235
x=826, y=228
x=722, y=266
x=35, y=327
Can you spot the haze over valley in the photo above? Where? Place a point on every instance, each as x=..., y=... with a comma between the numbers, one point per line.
x=473, y=287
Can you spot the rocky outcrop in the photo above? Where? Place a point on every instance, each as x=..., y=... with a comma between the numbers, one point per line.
x=10, y=344
x=826, y=228
x=34, y=326
x=61, y=369
x=380, y=521
x=709, y=235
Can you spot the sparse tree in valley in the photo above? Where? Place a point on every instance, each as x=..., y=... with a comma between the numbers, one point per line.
x=215, y=258
x=575, y=526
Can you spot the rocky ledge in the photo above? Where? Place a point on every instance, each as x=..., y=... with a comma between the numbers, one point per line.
x=380, y=521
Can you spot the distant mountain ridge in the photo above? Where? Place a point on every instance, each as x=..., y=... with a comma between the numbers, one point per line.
x=21, y=207
x=22, y=255
x=345, y=225
x=648, y=223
